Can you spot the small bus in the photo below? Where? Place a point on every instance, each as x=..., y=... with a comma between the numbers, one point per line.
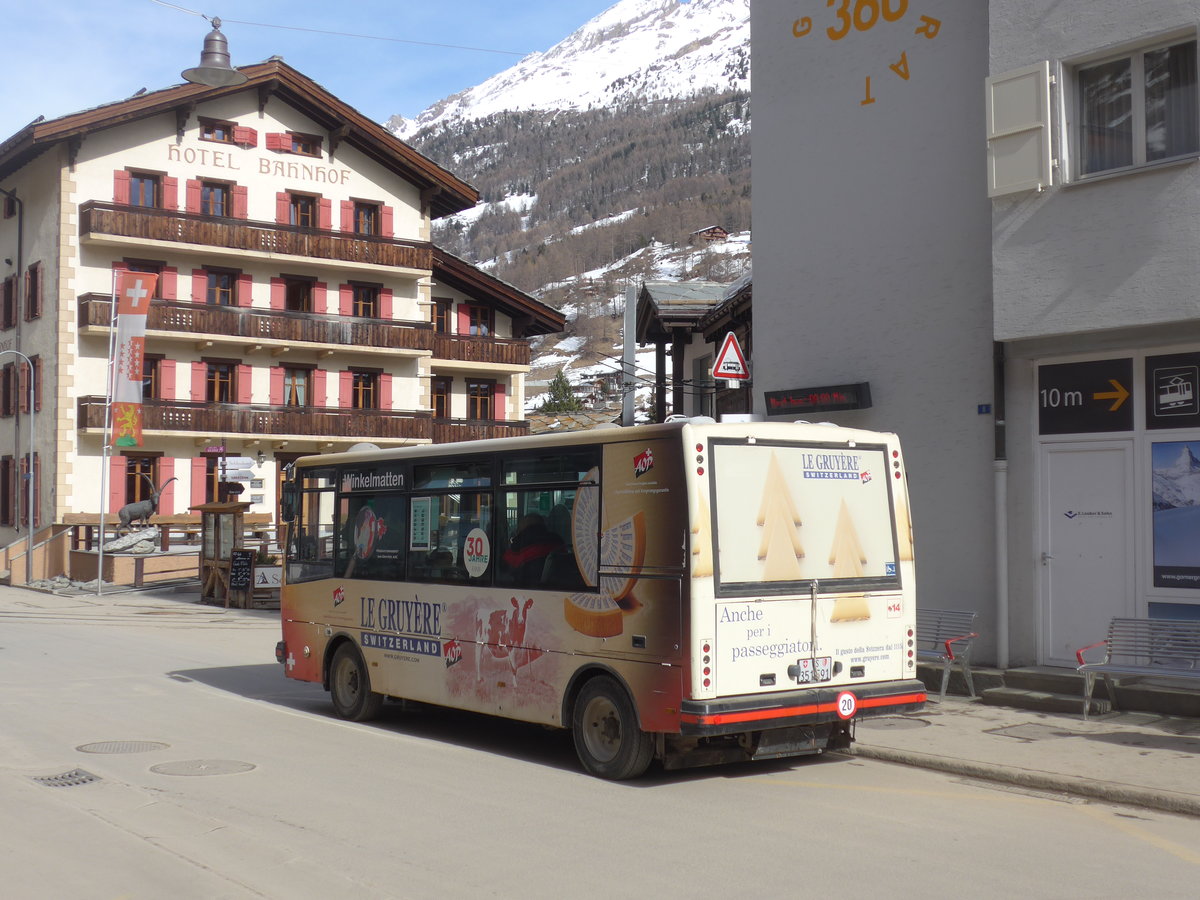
x=689, y=592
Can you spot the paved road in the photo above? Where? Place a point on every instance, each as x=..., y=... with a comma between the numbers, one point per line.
x=245, y=786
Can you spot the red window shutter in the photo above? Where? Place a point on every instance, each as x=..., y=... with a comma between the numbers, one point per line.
x=320, y=298
x=241, y=203
x=116, y=485
x=277, y=385
x=325, y=213
x=245, y=137
x=464, y=319
x=283, y=207
x=347, y=216
x=345, y=299
x=245, y=289
x=199, y=382
x=385, y=303
x=191, y=196
x=37, y=490
x=244, y=383
x=385, y=391
x=386, y=219
x=320, y=385
x=22, y=387
x=276, y=141
x=37, y=384
x=121, y=187
x=499, y=410
x=170, y=187
x=166, y=379
x=170, y=283
x=278, y=293
x=199, y=474
x=345, y=389
x=166, y=500
x=199, y=286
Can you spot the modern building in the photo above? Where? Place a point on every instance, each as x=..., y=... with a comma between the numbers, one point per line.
x=299, y=308
x=988, y=213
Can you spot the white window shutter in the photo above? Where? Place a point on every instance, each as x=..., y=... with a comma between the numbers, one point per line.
x=1018, y=130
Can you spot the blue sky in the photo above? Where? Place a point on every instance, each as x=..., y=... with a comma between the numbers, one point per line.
x=66, y=55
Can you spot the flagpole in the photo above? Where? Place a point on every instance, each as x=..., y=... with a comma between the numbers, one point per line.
x=112, y=339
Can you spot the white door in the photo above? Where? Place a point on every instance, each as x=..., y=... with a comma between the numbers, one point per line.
x=1087, y=553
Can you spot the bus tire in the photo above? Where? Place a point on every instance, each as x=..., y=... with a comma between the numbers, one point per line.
x=350, y=686
x=605, y=729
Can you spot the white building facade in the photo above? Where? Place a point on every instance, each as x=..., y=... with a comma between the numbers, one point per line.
x=299, y=308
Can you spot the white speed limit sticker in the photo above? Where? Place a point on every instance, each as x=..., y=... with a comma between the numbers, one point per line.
x=847, y=705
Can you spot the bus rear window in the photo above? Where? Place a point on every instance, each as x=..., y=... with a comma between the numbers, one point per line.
x=788, y=514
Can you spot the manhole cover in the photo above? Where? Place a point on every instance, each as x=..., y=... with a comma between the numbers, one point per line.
x=202, y=767
x=67, y=779
x=893, y=723
x=122, y=747
x=1031, y=732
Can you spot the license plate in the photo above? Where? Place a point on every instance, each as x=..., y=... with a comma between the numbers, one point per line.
x=809, y=671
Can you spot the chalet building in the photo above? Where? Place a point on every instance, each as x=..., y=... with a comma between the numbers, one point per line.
x=709, y=234
x=300, y=306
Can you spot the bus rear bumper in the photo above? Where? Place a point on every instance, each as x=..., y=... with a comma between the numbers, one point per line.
x=800, y=708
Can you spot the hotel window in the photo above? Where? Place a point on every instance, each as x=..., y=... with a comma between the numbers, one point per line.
x=150, y=268
x=298, y=295
x=480, y=399
x=1136, y=109
x=219, y=385
x=145, y=190
x=366, y=300
x=10, y=207
x=8, y=303
x=442, y=310
x=302, y=211
x=8, y=390
x=366, y=218
x=364, y=390
x=33, y=292
x=295, y=387
x=152, y=377
x=214, y=198
x=137, y=470
x=216, y=130
x=305, y=144
x=8, y=486
x=481, y=321
x=222, y=288
x=441, y=388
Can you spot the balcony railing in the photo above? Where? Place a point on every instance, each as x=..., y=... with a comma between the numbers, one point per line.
x=265, y=324
x=317, y=423
x=147, y=223
x=485, y=350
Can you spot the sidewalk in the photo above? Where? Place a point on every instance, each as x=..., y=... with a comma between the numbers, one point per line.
x=1141, y=759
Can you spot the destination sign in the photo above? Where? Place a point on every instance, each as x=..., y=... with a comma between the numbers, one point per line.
x=1085, y=397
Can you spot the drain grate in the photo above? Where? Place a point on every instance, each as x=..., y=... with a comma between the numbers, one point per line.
x=203, y=767
x=1030, y=732
x=122, y=747
x=74, y=778
x=893, y=723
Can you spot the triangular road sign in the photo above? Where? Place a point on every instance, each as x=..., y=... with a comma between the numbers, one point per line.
x=730, y=362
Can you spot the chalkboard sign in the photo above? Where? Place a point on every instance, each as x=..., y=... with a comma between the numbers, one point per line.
x=241, y=570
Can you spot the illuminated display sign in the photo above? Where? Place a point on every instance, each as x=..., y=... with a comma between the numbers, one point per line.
x=830, y=398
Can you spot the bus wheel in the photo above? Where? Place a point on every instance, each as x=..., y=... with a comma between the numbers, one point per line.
x=350, y=686
x=607, y=738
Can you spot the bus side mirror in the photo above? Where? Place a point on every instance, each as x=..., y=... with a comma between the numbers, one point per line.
x=287, y=503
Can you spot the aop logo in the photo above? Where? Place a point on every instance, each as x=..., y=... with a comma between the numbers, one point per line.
x=643, y=463
x=339, y=596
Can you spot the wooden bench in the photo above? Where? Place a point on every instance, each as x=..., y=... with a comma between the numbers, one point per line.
x=1150, y=648
x=944, y=636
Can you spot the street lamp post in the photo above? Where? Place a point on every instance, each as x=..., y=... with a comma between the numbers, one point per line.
x=29, y=471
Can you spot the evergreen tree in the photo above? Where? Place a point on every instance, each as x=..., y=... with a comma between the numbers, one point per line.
x=561, y=399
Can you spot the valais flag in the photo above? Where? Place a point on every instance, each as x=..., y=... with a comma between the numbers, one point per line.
x=134, y=290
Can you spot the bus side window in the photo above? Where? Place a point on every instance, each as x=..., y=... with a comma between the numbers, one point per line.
x=535, y=541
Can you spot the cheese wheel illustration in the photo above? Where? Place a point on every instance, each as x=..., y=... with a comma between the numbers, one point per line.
x=593, y=614
x=585, y=526
x=623, y=547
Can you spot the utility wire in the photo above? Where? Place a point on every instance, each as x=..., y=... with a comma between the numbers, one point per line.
x=370, y=37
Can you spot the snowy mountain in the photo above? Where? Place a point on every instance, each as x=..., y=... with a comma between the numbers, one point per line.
x=1178, y=485
x=636, y=50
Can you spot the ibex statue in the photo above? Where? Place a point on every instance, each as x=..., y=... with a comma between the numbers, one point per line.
x=142, y=510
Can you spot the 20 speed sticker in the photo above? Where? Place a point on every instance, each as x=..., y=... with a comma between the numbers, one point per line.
x=847, y=705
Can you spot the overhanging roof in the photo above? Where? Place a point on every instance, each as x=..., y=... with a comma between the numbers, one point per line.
x=445, y=193
x=667, y=305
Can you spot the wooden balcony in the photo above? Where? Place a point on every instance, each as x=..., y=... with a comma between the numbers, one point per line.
x=451, y=431
x=190, y=320
x=319, y=424
x=146, y=223
x=264, y=420
x=482, y=350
